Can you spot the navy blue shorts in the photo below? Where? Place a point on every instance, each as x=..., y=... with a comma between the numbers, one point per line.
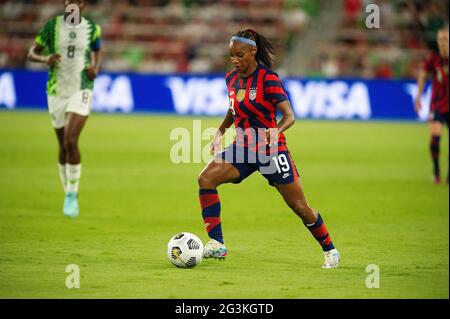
x=439, y=117
x=277, y=168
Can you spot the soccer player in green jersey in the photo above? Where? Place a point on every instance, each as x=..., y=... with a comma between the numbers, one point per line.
x=73, y=48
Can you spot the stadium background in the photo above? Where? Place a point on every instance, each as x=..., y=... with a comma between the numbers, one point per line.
x=321, y=45
x=372, y=179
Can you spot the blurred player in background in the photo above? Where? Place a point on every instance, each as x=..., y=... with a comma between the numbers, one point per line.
x=436, y=65
x=74, y=59
x=255, y=94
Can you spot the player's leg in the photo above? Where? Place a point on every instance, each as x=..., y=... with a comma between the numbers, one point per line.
x=294, y=197
x=72, y=131
x=436, y=132
x=61, y=156
x=286, y=180
x=56, y=108
x=77, y=112
x=216, y=173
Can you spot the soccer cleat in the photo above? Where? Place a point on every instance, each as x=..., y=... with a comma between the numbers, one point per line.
x=214, y=249
x=332, y=259
x=71, y=208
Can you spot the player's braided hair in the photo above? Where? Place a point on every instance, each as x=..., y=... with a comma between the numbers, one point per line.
x=265, y=49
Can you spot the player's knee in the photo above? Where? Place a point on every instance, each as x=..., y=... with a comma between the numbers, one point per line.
x=70, y=144
x=62, y=148
x=62, y=152
x=205, y=180
x=200, y=179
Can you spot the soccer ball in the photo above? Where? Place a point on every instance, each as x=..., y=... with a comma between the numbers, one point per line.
x=185, y=250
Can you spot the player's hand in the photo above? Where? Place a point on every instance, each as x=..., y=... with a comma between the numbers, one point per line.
x=272, y=136
x=417, y=105
x=216, y=144
x=53, y=60
x=92, y=73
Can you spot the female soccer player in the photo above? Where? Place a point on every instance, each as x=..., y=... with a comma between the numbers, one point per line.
x=255, y=94
x=436, y=64
x=74, y=59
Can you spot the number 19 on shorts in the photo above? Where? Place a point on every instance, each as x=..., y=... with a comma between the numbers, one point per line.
x=282, y=163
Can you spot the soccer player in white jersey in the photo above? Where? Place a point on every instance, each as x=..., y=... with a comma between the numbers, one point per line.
x=70, y=46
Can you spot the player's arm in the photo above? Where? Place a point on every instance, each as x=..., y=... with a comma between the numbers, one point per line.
x=287, y=120
x=41, y=42
x=94, y=69
x=288, y=117
x=275, y=92
x=96, y=54
x=421, y=80
x=216, y=144
x=35, y=55
x=226, y=123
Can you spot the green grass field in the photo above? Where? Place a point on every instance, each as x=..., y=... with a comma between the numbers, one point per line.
x=371, y=181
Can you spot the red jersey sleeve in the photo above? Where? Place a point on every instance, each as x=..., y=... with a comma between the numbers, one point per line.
x=274, y=89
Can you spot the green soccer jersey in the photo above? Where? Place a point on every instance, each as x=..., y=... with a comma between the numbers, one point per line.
x=74, y=45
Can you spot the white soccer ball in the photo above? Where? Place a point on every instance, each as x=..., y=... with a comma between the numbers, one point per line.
x=185, y=250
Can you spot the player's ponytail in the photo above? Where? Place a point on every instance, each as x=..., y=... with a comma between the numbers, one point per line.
x=265, y=49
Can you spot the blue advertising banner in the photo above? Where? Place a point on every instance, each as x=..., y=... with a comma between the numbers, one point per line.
x=207, y=95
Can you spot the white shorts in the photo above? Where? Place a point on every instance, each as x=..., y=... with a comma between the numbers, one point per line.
x=79, y=103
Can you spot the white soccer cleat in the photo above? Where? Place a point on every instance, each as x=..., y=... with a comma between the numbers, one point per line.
x=71, y=208
x=214, y=249
x=332, y=259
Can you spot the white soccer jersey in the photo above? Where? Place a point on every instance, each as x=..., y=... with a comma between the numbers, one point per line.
x=75, y=45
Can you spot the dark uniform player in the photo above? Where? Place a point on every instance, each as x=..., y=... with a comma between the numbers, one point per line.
x=253, y=102
x=255, y=94
x=436, y=64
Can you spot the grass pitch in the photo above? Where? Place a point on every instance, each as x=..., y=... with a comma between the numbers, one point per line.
x=371, y=181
